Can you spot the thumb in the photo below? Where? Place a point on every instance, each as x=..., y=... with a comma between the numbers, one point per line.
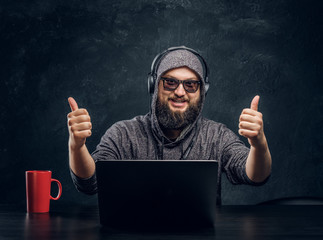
x=254, y=103
x=73, y=104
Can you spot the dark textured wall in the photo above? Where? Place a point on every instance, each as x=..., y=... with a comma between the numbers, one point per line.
x=100, y=53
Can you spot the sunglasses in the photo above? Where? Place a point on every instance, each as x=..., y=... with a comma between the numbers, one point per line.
x=171, y=84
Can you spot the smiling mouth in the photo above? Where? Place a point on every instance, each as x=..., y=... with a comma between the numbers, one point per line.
x=178, y=100
x=178, y=103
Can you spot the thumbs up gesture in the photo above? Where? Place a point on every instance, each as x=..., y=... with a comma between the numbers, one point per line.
x=251, y=124
x=79, y=125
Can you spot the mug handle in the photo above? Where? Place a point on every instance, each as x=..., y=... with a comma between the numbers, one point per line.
x=59, y=189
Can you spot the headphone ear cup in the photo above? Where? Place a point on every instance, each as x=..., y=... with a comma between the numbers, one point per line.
x=151, y=84
x=206, y=86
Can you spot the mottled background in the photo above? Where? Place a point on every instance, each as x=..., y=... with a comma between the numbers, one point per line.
x=100, y=53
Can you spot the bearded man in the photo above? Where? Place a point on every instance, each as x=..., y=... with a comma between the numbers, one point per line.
x=174, y=128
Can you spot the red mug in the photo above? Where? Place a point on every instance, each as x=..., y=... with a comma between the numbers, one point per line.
x=38, y=185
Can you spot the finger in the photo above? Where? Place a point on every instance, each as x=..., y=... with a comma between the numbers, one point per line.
x=249, y=126
x=246, y=118
x=248, y=133
x=254, y=103
x=251, y=112
x=78, y=112
x=251, y=119
x=73, y=104
x=79, y=119
x=82, y=134
x=81, y=126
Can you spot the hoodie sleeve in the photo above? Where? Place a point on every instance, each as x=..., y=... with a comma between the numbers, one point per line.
x=84, y=185
x=234, y=158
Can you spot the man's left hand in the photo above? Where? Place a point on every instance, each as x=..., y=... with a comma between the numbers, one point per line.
x=251, y=124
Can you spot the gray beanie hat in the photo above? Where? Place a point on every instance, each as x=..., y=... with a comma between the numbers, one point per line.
x=180, y=58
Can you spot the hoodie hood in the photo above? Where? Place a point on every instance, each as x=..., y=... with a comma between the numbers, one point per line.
x=171, y=60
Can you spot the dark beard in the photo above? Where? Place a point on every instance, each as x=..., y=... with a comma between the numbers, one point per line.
x=176, y=120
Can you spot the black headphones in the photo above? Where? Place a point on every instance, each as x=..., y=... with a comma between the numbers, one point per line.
x=152, y=76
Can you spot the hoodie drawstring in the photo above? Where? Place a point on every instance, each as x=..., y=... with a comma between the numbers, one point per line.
x=160, y=150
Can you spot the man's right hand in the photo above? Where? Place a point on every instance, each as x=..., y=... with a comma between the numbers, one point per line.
x=79, y=125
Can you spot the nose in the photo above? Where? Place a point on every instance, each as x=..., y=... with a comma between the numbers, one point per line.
x=180, y=91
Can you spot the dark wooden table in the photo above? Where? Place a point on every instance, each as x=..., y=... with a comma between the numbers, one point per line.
x=233, y=222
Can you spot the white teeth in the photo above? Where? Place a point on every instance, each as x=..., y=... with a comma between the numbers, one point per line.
x=179, y=101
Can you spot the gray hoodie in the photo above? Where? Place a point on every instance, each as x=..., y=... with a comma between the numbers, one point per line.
x=142, y=138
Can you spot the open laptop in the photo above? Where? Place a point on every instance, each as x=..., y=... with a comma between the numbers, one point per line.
x=157, y=193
